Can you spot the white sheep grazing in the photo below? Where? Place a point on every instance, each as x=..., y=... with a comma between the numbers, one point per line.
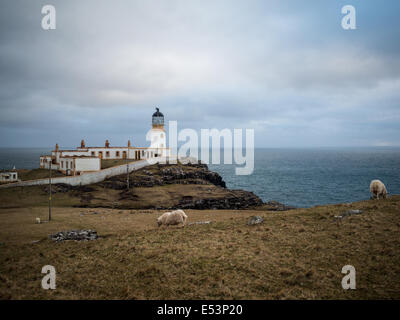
x=377, y=188
x=172, y=218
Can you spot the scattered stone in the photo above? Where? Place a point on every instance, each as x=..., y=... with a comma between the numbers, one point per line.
x=199, y=222
x=349, y=213
x=39, y=221
x=277, y=206
x=78, y=235
x=90, y=212
x=255, y=220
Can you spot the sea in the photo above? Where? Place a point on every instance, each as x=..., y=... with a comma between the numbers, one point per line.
x=296, y=177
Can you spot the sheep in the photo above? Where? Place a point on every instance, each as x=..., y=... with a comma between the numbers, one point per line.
x=377, y=188
x=172, y=218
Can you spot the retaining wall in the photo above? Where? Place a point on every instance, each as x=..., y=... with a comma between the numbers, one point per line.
x=85, y=178
x=98, y=176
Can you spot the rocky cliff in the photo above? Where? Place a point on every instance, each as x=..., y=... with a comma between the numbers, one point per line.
x=162, y=186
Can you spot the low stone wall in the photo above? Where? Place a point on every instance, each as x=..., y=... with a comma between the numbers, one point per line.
x=86, y=178
x=98, y=176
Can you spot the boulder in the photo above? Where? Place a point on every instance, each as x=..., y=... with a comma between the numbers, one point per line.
x=236, y=200
x=348, y=213
x=255, y=220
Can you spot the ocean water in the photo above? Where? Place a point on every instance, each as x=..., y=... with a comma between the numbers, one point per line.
x=298, y=177
x=309, y=177
x=21, y=158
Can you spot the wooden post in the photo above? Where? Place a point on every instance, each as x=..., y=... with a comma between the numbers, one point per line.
x=50, y=190
x=127, y=174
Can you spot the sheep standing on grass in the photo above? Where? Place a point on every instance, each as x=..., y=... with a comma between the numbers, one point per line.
x=172, y=218
x=377, y=189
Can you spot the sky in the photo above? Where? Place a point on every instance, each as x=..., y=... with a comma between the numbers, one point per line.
x=286, y=69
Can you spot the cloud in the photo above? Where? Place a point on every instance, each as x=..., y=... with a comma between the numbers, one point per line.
x=286, y=69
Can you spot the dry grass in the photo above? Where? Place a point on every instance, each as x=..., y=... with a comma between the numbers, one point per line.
x=296, y=254
x=107, y=163
x=136, y=198
x=34, y=196
x=26, y=174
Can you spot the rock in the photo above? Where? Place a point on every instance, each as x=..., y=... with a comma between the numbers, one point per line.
x=116, y=185
x=351, y=212
x=78, y=235
x=277, y=206
x=166, y=174
x=199, y=222
x=348, y=213
x=255, y=220
x=63, y=188
x=236, y=200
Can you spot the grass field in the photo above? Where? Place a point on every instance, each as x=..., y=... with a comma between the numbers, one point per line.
x=296, y=254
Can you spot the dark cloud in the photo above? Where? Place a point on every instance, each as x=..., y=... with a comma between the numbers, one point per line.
x=285, y=68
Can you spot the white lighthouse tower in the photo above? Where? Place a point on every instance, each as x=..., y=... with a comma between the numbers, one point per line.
x=157, y=134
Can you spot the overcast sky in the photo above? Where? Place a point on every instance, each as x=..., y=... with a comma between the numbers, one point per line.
x=285, y=68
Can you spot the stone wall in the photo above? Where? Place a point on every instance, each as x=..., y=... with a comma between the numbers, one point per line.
x=87, y=178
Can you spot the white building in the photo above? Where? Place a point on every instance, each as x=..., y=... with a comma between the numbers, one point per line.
x=8, y=176
x=72, y=165
x=86, y=159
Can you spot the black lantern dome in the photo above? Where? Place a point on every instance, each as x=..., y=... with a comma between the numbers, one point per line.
x=158, y=119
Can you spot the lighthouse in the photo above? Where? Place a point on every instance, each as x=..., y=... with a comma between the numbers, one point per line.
x=157, y=135
x=90, y=159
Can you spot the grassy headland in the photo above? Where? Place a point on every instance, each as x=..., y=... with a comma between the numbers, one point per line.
x=296, y=254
